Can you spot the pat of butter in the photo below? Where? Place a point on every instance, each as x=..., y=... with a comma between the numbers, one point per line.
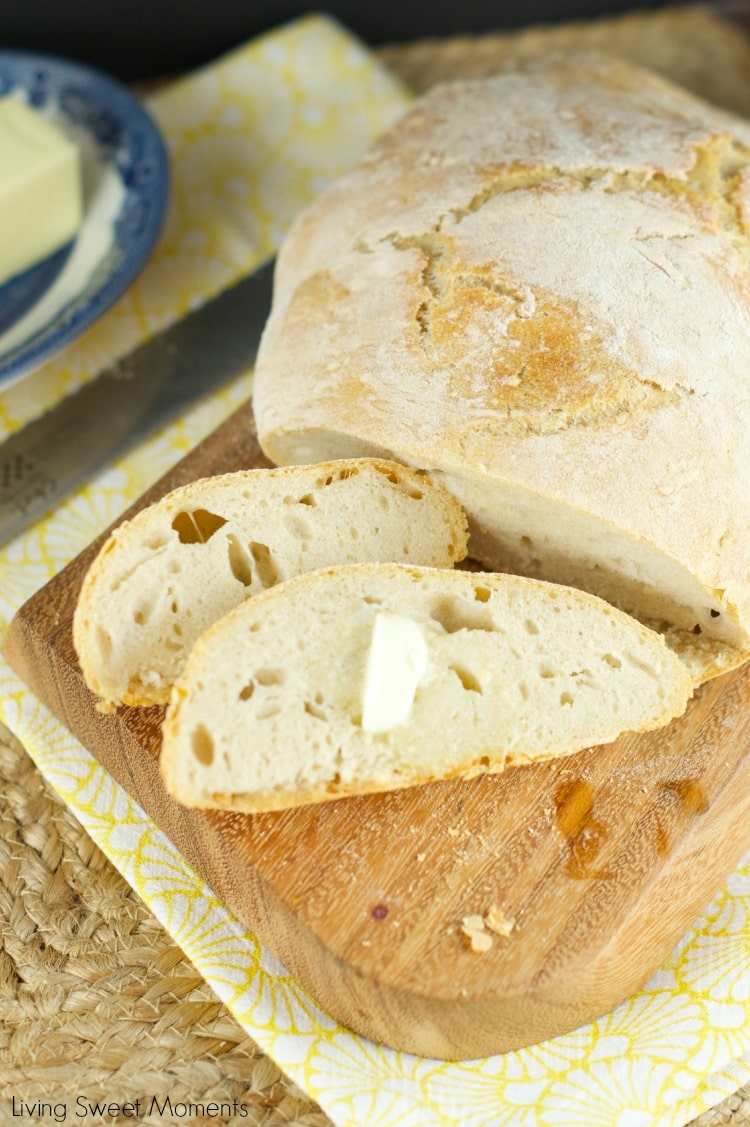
x=396, y=663
x=40, y=187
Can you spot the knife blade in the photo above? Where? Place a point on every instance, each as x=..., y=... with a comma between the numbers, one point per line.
x=45, y=461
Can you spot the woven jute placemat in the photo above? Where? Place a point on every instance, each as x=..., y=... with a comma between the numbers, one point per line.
x=95, y=998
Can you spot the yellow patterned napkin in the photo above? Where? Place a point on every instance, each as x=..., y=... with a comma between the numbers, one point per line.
x=251, y=138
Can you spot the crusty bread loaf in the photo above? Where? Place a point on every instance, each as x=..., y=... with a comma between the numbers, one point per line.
x=162, y=578
x=537, y=287
x=271, y=710
x=690, y=45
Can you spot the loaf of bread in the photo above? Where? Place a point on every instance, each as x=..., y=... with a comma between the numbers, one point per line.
x=690, y=45
x=537, y=287
x=378, y=676
x=162, y=578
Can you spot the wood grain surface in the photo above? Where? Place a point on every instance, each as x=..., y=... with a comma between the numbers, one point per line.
x=602, y=860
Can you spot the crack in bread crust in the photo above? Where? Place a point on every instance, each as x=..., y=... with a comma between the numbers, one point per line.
x=553, y=396
x=535, y=378
x=714, y=177
x=547, y=296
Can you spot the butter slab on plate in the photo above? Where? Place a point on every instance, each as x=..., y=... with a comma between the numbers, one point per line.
x=125, y=186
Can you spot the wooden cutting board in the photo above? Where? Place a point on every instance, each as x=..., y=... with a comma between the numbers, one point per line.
x=602, y=860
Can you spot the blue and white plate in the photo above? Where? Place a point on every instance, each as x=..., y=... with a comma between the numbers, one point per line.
x=126, y=189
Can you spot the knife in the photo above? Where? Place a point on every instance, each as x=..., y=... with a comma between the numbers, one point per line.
x=48, y=458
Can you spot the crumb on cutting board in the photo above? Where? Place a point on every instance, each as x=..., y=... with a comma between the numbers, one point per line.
x=476, y=928
x=497, y=921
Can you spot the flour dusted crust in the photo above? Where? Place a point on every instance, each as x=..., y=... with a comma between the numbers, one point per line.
x=691, y=46
x=163, y=577
x=537, y=286
x=268, y=711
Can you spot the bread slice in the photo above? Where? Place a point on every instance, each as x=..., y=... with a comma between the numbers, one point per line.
x=535, y=287
x=162, y=578
x=272, y=708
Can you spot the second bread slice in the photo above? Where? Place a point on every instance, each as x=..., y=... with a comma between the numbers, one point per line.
x=377, y=677
x=162, y=578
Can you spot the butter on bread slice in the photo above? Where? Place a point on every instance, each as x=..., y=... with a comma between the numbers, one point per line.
x=163, y=577
x=536, y=286
x=270, y=710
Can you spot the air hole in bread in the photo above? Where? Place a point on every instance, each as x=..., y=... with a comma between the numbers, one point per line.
x=481, y=594
x=264, y=564
x=270, y=676
x=177, y=629
x=298, y=526
x=247, y=691
x=390, y=474
x=613, y=661
x=467, y=679
x=104, y=642
x=268, y=711
x=642, y=665
x=354, y=533
x=197, y=527
x=155, y=541
x=455, y=614
x=174, y=606
x=142, y=614
x=416, y=494
x=546, y=672
x=372, y=601
x=484, y=761
x=313, y=710
x=523, y=690
x=239, y=561
x=384, y=503
x=334, y=784
x=175, y=647
x=202, y=745
x=531, y=627
x=526, y=542
x=174, y=567
x=350, y=471
x=566, y=700
x=308, y=499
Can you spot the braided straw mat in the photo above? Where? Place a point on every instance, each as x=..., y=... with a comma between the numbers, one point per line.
x=90, y=983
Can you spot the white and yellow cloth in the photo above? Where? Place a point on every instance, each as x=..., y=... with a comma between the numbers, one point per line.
x=252, y=138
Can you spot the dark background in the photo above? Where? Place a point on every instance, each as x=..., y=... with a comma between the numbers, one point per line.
x=148, y=38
